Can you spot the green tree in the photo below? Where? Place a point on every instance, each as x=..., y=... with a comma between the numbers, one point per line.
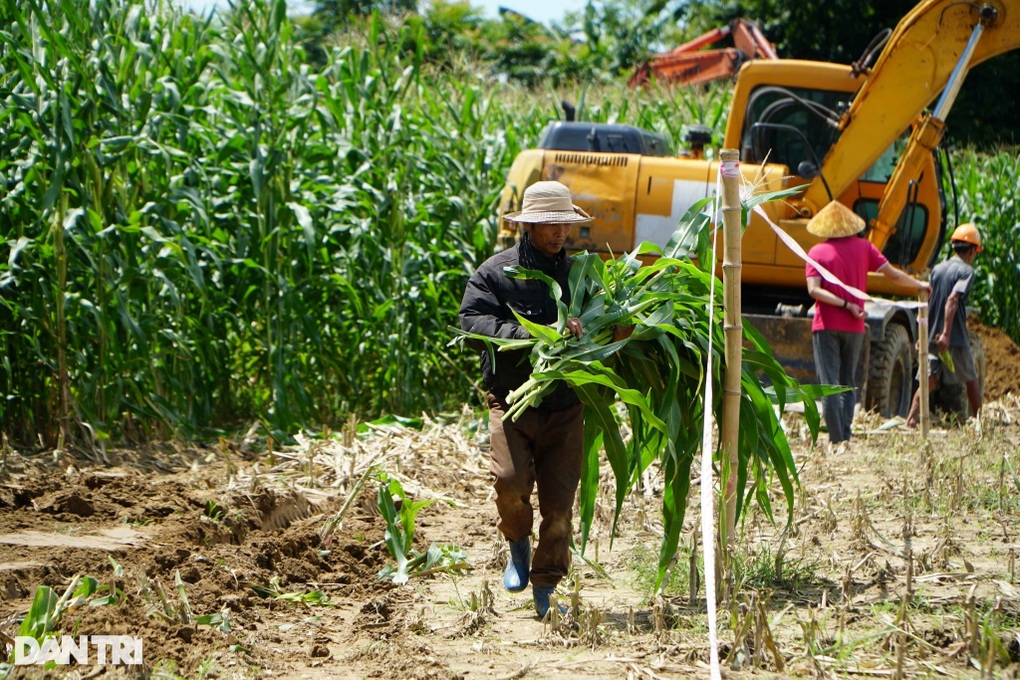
x=826, y=30
x=447, y=31
x=335, y=13
x=987, y=111
x=619, y=34
x=520, y=49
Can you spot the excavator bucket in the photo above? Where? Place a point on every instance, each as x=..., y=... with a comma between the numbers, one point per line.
x=790, y=339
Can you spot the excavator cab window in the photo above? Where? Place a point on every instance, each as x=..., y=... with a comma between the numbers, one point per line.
x=905, y=243
x=790, y=126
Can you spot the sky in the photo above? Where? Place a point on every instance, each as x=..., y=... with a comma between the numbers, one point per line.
x=544, y=11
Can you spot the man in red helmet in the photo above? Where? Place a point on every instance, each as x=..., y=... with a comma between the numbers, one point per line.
x=947, y=322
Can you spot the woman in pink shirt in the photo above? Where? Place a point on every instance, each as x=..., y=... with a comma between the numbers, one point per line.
x=837, y=330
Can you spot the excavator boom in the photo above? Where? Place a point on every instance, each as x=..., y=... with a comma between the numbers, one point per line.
x=917, y=63
x=689, y=64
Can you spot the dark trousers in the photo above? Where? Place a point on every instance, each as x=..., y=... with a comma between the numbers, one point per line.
x=837, y=354
x=543, y=449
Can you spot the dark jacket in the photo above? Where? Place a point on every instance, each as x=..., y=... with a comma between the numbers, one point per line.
x=486, y=310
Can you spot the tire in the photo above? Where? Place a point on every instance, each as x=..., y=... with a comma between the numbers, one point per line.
x=891, y=375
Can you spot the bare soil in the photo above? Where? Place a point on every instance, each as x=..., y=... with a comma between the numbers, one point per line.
x=900, y=559
x=1002, y=362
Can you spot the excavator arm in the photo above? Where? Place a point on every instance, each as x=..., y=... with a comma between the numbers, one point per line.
x=928, y=53
x=689, y=64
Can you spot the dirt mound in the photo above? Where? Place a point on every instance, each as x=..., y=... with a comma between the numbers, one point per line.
x=196, y=565
x=1002, y=356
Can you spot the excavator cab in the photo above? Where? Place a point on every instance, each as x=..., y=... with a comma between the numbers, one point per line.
x=791, y=126
x=794, y=117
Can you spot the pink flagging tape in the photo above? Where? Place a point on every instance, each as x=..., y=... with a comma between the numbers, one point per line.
x=729, y=168
x=826, y=274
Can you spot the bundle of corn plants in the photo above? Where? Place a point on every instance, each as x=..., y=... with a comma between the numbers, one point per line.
x=658, y=373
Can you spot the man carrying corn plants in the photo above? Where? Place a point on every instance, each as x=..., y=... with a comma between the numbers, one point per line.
x=543, y=446
x=837, y=330
x=950, y=361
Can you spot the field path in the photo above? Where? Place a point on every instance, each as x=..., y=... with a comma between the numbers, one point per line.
x=902, y=553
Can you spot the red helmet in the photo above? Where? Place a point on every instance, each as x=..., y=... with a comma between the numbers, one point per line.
x=967, y=233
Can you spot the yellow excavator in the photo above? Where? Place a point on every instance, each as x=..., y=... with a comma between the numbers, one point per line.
x=866, y=134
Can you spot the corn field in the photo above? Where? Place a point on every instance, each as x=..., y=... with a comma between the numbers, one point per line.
x=203, y=229
x=988, y=186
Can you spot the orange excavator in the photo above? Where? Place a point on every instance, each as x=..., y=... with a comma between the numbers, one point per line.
x=689, y=64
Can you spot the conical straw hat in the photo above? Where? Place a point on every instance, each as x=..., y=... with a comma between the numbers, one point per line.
x=834, y=221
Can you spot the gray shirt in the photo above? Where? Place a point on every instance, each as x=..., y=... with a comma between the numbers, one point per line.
x=953, y=275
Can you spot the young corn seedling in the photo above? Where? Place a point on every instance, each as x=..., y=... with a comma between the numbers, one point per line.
x=47, y=608
x=399, y=537
x=160, y=604
x=42, y=615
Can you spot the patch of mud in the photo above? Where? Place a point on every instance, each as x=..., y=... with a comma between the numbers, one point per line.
x=1002, y=356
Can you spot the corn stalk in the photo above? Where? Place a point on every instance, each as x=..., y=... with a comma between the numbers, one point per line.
x=202, y=228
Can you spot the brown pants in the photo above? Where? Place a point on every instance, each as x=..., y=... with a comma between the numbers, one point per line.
x=542, y=448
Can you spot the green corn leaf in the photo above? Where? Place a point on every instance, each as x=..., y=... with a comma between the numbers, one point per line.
x=578, y=279
x=677, y=474
x=394, y=535
x=603, y=420
x=545, y=333
x=40, y=617
x=589, y=484
x=555, y=291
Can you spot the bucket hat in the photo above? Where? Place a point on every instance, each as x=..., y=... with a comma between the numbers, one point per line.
x=835, y=221
x=548, y=202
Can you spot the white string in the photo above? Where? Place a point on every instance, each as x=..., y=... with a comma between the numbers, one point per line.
x=707, y=483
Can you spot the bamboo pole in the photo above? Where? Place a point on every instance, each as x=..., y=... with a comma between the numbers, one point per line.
x=922, y=363
x=729, y=170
